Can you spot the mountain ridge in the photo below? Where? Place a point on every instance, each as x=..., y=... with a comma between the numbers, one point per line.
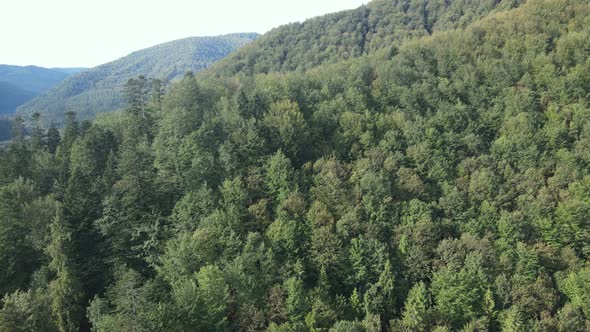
x=99, y=89
x=31, y=78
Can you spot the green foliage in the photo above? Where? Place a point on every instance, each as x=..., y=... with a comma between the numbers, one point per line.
x=17, y=252
x=214, y=293
x=287, y=128
x=348, y=34
x=577, y=287
x=571, y=319
x=458, y=294
x=415, y=316
x=296, y=302
x=347, y=326
x=406, y=166
x=26, y=311
x=65, y=290
x=367, y=260
x=127, y=306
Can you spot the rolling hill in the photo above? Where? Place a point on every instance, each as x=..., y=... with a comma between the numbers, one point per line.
x=99, y=89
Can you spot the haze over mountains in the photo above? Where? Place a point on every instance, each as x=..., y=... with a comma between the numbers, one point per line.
x=99, y=89
x=19, y=84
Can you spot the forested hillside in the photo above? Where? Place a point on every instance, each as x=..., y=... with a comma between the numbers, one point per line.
x=99, y=89
x=442, y=185
x=380, y=25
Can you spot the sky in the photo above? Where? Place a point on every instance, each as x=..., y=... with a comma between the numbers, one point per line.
x=87, y=33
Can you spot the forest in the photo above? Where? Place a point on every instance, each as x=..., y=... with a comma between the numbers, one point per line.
x=436, y=179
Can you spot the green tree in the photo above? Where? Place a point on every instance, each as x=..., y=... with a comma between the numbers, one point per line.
x=37, y=133
x=53, y=139
x=380, y=297
x=26, y=311
x=571, y=318
x=296, y=303
x=458, y=293
x=577, y=287
x=214, y=293
x=71, y=129
x=415, y=316
x=17, y=254
x=288, y=129
x=66, y=291
x=18, y=130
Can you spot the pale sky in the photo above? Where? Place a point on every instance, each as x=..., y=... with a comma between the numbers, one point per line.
x=84, y=33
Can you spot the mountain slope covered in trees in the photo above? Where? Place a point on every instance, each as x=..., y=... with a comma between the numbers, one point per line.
x=380, y=25
x=99, y=89
x=444, y=186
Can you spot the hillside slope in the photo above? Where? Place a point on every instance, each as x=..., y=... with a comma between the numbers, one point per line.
x=99, y=89
x=381, y=24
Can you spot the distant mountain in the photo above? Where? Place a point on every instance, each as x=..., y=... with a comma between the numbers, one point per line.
x=99, y=89
x=12, y=96
x=70, y=71
x=4, y=130
x=20, y=84
x=32, y=78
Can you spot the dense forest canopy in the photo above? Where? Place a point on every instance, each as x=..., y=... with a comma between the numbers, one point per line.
x=438, y=183
x=99, y=89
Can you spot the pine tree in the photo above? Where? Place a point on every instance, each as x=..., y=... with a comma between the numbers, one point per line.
x=65, y=290
x=379, y=299
x=158, y=87
x=53, y=139
x=37, y=134
x=71, y=129
x=136, y=94
x=17, y=257
x=18, y=130
x=297, y=305
x=415, y=313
